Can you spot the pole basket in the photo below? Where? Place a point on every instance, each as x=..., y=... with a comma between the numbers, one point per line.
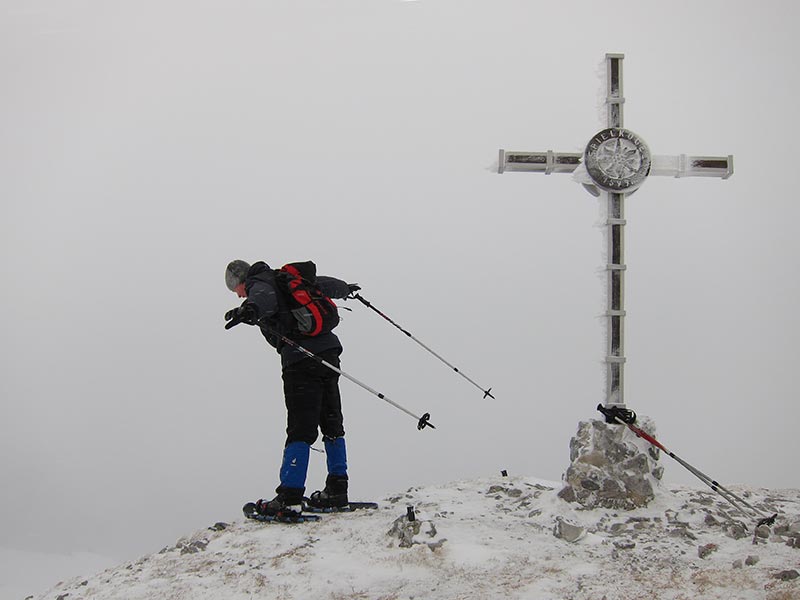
x=425, y=422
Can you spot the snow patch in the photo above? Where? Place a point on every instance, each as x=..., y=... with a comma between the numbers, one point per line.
x=484, y=538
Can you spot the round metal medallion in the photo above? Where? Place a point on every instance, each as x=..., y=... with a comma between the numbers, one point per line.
x=617, y=160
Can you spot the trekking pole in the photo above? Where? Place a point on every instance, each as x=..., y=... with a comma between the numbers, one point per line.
x=627, y=417
x=366, y=303
x=422, y=422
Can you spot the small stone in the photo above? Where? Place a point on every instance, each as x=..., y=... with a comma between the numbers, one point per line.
x=431, y=532
x=763, y=531
x=737, y=531
x=618, y=528
x=568, y=494
x=193, y=547
x=706, y=550
x=434, y=546
x=682, y=532
x=751, y=560
x=737, y=564
x=788, y=575
x=568, y=532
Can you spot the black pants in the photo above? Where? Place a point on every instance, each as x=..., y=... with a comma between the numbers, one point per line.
x=312, y=398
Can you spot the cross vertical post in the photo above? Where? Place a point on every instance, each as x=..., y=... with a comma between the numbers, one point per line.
x=615, y=269
x=615, y=162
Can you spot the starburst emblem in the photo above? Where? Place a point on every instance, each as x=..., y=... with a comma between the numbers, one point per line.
x=617, y=160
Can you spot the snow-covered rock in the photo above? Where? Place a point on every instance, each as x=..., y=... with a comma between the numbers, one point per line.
x=610, y=467
x=488, y=538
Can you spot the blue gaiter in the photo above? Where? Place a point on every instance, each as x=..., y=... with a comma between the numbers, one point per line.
x=295, y=465
x=336, y=455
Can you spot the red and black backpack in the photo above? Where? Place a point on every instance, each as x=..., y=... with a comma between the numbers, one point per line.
x=314, y=313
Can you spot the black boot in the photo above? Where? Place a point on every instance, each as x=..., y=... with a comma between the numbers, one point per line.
x=333, y=496
x=288, y=503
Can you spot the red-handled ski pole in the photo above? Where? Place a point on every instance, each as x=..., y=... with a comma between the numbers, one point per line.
x=365, y=302
x=422, y=422
x=627, y=417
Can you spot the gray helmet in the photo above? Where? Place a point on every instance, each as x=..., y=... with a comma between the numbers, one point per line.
x=236, y=273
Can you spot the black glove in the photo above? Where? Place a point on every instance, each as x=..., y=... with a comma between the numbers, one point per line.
x=353, y=287
x=246, y=313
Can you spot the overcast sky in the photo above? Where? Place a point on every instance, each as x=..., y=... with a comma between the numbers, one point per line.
x=146, y=144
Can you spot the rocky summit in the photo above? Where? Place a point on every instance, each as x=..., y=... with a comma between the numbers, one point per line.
x=504, y=537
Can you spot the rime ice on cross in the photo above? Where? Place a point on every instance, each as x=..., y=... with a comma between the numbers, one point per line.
x=617, y=161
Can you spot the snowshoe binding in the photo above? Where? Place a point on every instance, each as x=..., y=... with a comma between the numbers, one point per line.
x=276, y=510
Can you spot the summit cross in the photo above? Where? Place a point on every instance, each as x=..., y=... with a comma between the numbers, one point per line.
x=616, y=163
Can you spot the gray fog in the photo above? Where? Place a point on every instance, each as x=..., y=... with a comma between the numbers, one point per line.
x=146, y=144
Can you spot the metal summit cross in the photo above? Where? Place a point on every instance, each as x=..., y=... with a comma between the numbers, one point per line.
x=615, y=162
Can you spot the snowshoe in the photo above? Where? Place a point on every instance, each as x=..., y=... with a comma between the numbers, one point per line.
x=251, y=511
x=349, y=507
x=283, y=508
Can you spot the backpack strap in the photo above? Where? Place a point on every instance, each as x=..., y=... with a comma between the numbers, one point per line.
x=306, y=271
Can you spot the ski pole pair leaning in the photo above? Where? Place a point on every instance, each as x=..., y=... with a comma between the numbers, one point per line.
x=624, y=416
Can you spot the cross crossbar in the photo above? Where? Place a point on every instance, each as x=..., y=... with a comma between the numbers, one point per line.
x=567, y=162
